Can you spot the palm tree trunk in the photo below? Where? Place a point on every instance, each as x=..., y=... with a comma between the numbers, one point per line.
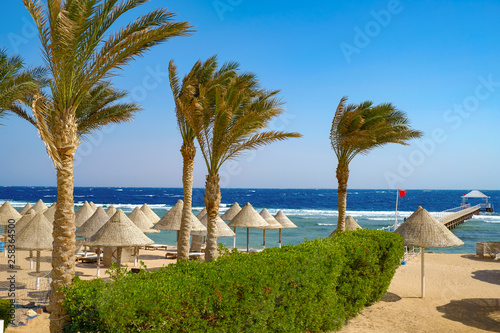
x=212, y=202
x=63, y=252
x=342, y=177
x=188, y=151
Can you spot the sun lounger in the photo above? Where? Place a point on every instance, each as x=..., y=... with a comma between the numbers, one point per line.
x=172, y=254
x=156, y=246
x=89, y=258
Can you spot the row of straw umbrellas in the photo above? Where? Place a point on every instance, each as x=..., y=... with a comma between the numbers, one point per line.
x=112, y=228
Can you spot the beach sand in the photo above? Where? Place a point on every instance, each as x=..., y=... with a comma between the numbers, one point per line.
x=462, y=295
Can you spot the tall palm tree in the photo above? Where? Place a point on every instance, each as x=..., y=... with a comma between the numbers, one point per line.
x=230, y=121
x=186, y=98
x=80, y=52
x=15, y=81
x=359, y=128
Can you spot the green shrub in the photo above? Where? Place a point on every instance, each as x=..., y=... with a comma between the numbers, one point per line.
x=5, y=306
x=314, y=286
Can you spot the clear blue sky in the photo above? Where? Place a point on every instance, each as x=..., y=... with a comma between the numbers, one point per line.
x=436, y=60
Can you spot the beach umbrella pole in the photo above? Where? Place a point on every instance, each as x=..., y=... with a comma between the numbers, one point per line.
x=248, y=240
x=38, y=261
x=31, y=263
x=234, y=238
x=136, y=254
x=98, y=261
x=423, y=274
x=279, y=243
x=37, y=283
x=264, y=235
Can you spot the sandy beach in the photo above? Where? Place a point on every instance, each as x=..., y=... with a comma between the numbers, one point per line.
x=462, y=295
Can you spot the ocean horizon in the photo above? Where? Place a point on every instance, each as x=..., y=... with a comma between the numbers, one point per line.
x=314, y=211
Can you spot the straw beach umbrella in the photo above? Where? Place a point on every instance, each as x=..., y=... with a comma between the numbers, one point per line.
x=93, y=224
x=423, y=230
x=50, y=212
x=202, y=213
x=111, y=210
x=25, y=220
x=118, y=232
x=284, y=221
x=40, y=206
x=142, y=221
x=93, y=205
x=247, y=218
x=37, y=236
x=351, y=224
x=223, y=229
x=25, y=209
x=272, y=224
x=172, y=220
x=83, y=214
x=231, y=212
x=7, y=213
x=150, y=214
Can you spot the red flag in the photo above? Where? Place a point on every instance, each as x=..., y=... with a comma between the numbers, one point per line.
x=402, y=193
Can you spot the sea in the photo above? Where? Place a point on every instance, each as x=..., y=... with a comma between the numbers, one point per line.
x=314, y=211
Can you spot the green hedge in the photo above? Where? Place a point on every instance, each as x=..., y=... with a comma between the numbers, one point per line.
x=5, y=314
x=314, y=286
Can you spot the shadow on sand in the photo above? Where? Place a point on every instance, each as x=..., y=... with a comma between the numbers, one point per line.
x=390, y=297
x=491, y=276
x=482, y=313
x=477, y=258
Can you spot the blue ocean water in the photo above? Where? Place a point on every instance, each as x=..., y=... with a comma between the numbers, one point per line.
x=314, y=211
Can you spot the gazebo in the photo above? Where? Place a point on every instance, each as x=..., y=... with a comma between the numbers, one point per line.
x=475, y=194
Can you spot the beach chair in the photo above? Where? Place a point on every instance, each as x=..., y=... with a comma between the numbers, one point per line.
x=494, y=253
x=156, y=246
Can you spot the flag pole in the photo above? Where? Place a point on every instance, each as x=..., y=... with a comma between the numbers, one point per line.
x=396, y=214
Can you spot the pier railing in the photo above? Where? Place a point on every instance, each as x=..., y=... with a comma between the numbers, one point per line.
x=451, y=210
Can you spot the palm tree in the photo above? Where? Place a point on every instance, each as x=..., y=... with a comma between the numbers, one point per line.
x=80, y=53
x=15, y=82
x=186, y=101
x=359, y=128
x=229, y=121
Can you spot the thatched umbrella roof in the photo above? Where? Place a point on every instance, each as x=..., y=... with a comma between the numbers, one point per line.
x=222, y=228
x=111, y=210
x=50, y=212
x=7, y=212
x=142, y=221
x=422, y=229
x=93, y=224
x=83, y=214
x=93, y=205
x=248, y=218
x=231, y=212
x=172, y=219
x=150, y=214
x=284, y=220
x=119, y=231
x=36, y=235
x=40, y=206
x=351, y=224
x=202, y=213
x=25, y=220
x=272, y=223
x=25, y=209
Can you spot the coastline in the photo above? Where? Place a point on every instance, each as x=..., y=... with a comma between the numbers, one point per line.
x=462, y=295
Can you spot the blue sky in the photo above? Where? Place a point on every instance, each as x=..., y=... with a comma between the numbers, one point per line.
x=436, y=60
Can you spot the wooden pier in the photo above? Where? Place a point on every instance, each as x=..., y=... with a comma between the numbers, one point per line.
x=453, y=219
